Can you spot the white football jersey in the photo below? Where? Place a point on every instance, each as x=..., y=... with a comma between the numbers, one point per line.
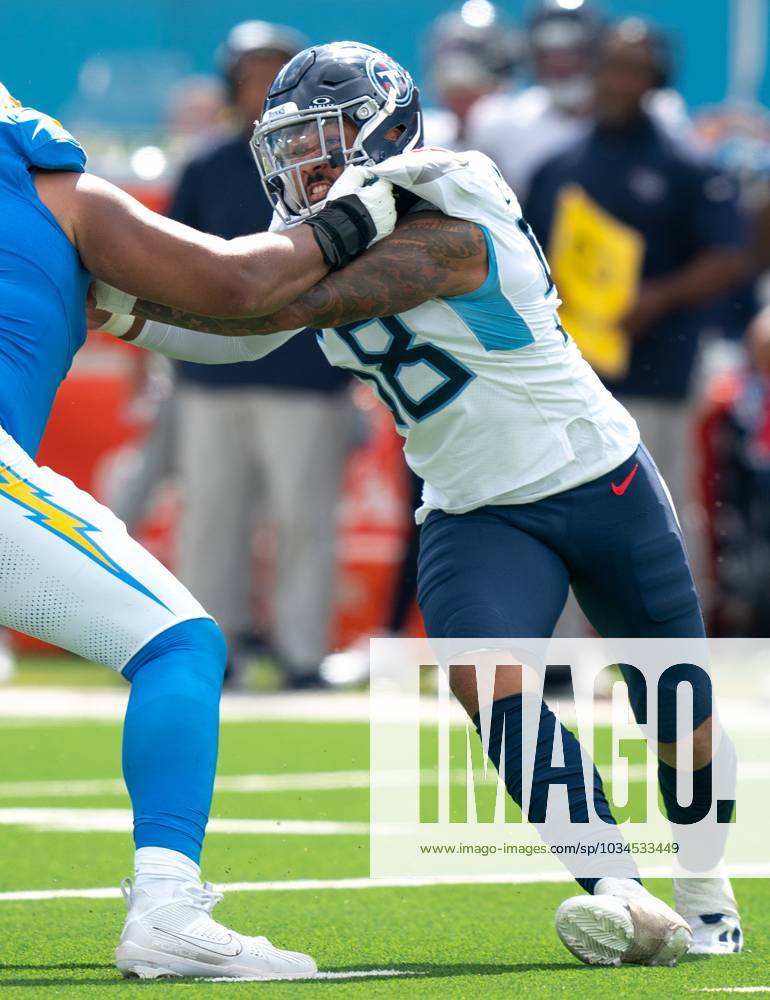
x=493, y=398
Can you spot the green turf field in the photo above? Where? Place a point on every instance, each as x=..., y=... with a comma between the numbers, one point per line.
x=449, y=941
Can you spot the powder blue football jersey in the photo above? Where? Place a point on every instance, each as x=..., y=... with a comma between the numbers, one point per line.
x=43, y=283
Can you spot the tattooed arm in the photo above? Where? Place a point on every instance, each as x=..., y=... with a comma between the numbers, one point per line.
x=428, y=256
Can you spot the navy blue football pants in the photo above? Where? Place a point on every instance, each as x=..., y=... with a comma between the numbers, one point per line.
x=504, y=571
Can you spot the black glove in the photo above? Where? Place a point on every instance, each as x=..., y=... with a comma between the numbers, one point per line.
x=342, y=229
x=405, y=201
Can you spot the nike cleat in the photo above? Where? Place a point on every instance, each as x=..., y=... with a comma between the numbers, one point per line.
x=708, y=905
x=622, y=927
x=178, y=937
x=715, y=934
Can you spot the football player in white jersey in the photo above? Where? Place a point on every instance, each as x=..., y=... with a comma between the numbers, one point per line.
x=535, y=477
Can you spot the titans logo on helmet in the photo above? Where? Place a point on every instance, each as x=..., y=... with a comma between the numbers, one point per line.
x=386, y=75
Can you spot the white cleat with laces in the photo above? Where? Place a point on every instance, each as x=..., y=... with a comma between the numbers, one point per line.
x=708, y=905
x=622, y=923
x=177, y=936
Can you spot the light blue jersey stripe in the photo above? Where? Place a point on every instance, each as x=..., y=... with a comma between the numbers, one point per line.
x=488, y=313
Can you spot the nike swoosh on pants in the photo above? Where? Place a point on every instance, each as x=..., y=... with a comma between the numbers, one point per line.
x=621, y=489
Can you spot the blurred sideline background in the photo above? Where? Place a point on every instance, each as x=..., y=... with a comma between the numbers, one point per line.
x=52, y=55
x=144, y=87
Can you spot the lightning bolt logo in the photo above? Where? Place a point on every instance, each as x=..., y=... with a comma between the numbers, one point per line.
x=65, y=525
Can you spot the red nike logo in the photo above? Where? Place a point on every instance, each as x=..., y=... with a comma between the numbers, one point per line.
x=620, y=490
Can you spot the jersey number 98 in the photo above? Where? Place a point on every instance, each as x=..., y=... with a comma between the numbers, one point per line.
x=401, y=352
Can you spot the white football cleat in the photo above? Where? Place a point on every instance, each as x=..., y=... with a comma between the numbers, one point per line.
x=708, y=905
x=622, y=923
x=715, y=934
x=176, y=936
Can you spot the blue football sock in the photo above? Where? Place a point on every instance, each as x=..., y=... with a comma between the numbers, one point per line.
x=171, y=735
x=701, y=794
x=702, y=837
x=507, y=714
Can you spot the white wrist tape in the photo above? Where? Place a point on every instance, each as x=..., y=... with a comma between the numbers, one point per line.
x=117, y=325
x=112, y=299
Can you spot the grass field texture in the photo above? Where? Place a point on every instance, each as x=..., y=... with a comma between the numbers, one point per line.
x=450, y=941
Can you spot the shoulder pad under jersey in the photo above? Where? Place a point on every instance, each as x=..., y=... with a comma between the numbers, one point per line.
x=458, y=184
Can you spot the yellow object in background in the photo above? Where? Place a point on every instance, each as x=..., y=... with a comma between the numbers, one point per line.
x=596, y=263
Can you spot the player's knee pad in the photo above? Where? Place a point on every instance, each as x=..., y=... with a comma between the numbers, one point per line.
x=198, y=645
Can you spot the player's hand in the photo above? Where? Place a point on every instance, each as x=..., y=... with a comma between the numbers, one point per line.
x=359, y=210
x=651, y=306
x=375, y=194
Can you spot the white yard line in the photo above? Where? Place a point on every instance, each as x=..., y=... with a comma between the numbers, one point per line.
x=309, y=781
x=324, y=781
x=343, y=974
x=366, y=973
x=285, y=782
x=62, y=789
x=302, y=885
x=30, y=705
x=357, y=884
x=120, y=821
x=732, y=989
x=50, y=704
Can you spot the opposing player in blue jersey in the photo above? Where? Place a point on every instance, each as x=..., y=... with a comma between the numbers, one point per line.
x=534, y=474
x=69, y=572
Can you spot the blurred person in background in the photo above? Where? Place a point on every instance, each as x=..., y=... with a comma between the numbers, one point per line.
x=196, y=110
x=469, y=53
x=285, y=419
x=642, y=238
x=521, y=131
x=737, y=452
x=196, y=113
x=733, y=412
x=735, y=135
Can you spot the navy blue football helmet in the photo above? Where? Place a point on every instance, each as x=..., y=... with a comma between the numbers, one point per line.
x=307, y=106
